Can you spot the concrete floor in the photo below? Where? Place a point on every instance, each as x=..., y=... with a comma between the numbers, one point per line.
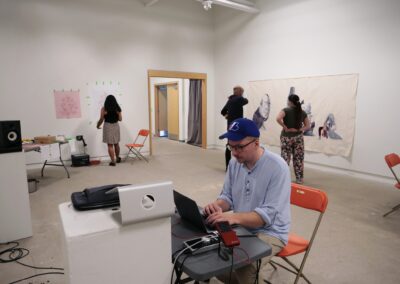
x=354, y=243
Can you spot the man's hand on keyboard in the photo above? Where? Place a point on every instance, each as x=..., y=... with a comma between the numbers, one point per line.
x=211, y=209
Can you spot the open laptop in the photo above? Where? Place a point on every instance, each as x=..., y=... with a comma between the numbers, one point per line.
x=190, y=212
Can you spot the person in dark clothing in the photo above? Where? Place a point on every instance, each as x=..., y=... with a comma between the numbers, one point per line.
x=294, y=122
x=232, y=110
x=110, y=114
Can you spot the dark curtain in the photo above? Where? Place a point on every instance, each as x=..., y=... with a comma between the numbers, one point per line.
x=195, y=109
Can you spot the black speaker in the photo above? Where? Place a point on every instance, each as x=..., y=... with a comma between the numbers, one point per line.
x=10, y=136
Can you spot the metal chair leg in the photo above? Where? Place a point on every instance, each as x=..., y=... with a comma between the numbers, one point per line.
x=44, y=164
x=136, y=154
x=296, y=271
x=299, y=270
x=393, y=209
x=275, y=268
x=273, y=264
x=130, y=152
x=140, y=156
x=284, y=267
x=65, y=168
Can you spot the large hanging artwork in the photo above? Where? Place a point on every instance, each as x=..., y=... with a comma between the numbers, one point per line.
x=329, y=101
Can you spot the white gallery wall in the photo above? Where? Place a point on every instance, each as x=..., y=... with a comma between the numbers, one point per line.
x=48, y=45
x=297, y=38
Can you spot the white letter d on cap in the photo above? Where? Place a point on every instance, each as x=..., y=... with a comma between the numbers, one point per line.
x=234, y=126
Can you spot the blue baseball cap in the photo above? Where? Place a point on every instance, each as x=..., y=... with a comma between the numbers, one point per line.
x=240, y=129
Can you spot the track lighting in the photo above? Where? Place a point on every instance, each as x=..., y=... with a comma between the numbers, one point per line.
x=207, y=4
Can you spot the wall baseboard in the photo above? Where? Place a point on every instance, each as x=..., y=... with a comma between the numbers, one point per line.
x=215, y=147
x=68, y=161
x=347, y=172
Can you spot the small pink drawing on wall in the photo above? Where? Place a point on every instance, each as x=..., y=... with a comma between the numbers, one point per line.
x=67, y=104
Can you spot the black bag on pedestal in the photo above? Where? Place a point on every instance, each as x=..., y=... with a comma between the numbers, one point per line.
x=96, y=197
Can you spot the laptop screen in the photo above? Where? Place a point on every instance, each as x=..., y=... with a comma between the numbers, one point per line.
x=189, y=211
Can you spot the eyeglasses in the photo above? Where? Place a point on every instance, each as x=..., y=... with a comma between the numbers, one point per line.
x=239, y=148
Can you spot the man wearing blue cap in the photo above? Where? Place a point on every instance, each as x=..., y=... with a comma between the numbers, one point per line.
x=257, y=190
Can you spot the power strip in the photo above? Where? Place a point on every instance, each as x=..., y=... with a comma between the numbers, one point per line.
x=203, y=244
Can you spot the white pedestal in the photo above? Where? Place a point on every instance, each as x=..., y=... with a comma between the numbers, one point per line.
x=15, y=210
x=99, y=249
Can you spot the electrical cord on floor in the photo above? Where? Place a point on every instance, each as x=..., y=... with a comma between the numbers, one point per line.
x=183, y=261
x=175, y=253
x=245, y=252
x=258, y=263
x=258, y=267
x=179, y=270
x=36, y=275
x=35, y=267
x=179, y=255
x=15, y=253
x=230, y=273
x=174, y=258
x=21, y=253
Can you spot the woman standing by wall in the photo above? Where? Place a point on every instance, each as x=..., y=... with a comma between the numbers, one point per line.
x=294, y=122
x=111, y=113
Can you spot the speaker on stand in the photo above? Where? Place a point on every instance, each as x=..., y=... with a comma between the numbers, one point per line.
x=10, y=136
x=14, y=196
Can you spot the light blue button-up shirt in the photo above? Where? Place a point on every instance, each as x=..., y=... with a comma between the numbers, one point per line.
x=265, y=190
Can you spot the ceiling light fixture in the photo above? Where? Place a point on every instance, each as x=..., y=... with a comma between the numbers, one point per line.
x=207, y=4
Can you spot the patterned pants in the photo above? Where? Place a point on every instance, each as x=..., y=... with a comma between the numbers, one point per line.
x=294, y=146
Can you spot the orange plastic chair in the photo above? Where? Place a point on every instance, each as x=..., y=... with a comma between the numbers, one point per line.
x=137, y=145
x=308, y=198
x=393, y=160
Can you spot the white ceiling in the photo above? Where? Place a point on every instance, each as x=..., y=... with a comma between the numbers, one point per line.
x=241, y=5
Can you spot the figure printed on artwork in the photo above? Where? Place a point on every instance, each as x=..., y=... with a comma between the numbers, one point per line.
x=328, y=130
x=307, y=110
x=292, y=91
x=261, y=114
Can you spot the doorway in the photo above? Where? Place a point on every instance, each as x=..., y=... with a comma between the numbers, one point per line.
x=166, y=110
x=177, y=125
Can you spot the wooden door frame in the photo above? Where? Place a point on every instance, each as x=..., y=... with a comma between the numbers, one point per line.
x=181, y=75
x=156, y=89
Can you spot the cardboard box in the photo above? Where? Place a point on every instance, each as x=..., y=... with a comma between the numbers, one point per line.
x=45, y=139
